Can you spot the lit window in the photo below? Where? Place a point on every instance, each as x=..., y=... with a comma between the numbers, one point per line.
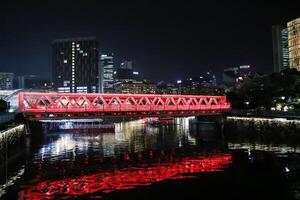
x=77, y=45
x=65, y=61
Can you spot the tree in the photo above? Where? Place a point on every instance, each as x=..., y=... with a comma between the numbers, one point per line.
x=3, y=105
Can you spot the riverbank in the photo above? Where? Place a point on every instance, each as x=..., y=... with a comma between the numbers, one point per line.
x=265, y=114
x=12, y=141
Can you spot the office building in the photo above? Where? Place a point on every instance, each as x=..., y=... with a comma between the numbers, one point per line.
x=33, y=82
x=135, y=87
x=280, y=48
x=106, y=73
x=208, y=80
x=75, y=65
x=6, y=80
x=126, y=73
x=294, y=43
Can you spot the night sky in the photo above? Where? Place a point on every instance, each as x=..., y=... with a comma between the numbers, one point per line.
x=166, y=41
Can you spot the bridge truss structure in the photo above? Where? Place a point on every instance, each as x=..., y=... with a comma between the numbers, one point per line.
x=94, y=105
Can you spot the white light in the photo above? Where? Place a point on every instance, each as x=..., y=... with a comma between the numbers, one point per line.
x=286, y=169
x=201, y=76
x=179, y=81
x=136, y=73
x=244, y=66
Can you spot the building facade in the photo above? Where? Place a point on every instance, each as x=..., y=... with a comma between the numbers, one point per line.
x=280, y=48
x=135, y=87
x=75, y=65
x=294, y=43
x=6, y=80
x=106, y=73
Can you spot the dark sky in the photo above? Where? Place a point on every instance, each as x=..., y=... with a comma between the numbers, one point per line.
x=167, y=40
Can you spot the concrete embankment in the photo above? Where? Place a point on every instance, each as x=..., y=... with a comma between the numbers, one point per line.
x=10, y=139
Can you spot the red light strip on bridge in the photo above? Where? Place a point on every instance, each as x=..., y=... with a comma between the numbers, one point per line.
x=32, y=102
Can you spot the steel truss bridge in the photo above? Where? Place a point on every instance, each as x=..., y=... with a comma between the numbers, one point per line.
x=92, y=105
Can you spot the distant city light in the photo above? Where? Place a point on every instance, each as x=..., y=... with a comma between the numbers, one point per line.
x=201, y=76
x=191, y=79
x=286, y=169
x=244, y=66
x=179, y=81
x=136, y=73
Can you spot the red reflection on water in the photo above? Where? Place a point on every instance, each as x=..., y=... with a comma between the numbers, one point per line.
x=127, y=178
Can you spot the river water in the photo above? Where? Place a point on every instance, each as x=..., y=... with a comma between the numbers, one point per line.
x=182, y=160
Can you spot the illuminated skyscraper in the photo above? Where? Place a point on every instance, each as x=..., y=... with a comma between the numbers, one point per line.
x=280, y=48
x=107, y=73
x=75, y=65
x=294, y=43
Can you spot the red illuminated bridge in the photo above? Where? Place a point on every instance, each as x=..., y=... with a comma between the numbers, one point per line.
x=76, y=105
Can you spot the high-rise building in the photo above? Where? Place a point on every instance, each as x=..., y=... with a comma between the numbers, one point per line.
x=294, y=43
x=75, y=65
x=208, y=80
x=280, y=48
x=107, y=73
x=6, y=80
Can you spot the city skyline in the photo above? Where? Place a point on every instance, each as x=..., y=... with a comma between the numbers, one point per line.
x=175, y=39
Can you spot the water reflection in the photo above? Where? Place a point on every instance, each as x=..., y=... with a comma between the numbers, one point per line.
x=137, y=155
x=134, y=155
x=131, y=171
